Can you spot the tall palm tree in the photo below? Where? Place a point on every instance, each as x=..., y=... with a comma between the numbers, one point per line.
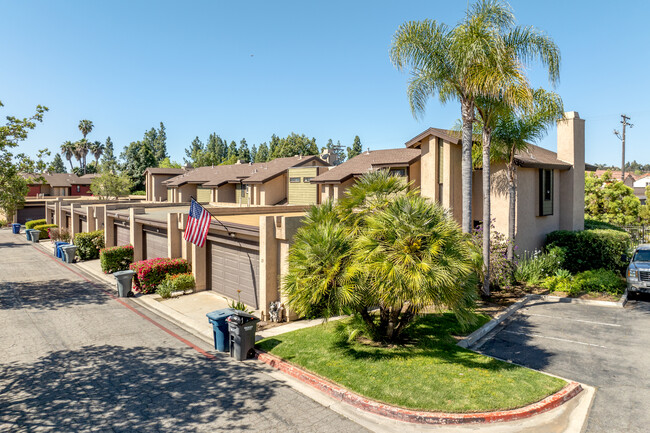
x=457, y=64
x=67, y=149
x=80, y=151
x=97, y=149
x=512, y=133
x=85, y=126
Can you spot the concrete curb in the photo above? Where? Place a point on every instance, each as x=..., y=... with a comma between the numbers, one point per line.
x=550, y=298
x=483, y=330
x=412, y=416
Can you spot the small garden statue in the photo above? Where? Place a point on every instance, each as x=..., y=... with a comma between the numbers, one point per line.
x=276, y=311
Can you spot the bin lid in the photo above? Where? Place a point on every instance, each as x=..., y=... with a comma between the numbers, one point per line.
x=220, y=314
x=123, y=273
x=244, y=317
x=68, y=247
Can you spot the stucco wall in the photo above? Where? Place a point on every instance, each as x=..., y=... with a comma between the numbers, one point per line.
x=226, y=193
x=184, y=192
x=415, y=174
x=274, y=190
x=428, y=170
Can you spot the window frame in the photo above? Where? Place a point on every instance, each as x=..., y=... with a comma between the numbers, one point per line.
x=546, y=176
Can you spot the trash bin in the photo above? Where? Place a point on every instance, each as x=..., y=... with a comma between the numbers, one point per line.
x=68, y=253
x=56, y=245
x=15, y=228
x=241, y=327
x=28, y=233
x=124, y=280
x=59, y=251
x=219, y=324
x=35, y=234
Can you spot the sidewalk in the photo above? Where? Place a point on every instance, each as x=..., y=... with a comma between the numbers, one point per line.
x=189, y=313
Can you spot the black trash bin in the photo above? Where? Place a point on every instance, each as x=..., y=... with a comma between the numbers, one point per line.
x=219, y=324
x=242, y=327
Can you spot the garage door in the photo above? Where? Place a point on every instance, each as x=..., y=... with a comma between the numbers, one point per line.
x=122, y=235
x=203, y=195
x=234, y=268
x=155, y=243
x=30, y=213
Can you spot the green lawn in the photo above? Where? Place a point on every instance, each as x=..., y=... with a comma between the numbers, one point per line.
x=431, y=373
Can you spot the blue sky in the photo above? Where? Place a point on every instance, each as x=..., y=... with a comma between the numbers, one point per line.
x=252, y=69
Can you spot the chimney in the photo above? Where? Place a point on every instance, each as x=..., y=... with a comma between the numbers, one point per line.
x=571, y=149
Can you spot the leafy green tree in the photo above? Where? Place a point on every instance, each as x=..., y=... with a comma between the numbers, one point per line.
x=160, y=143
x=262, y=154
x=110, y=185
x=195, y=153
x=401, y=253
x=167, y=163
x=243, y=153
x=232, y=152
x=610, y=200
x=216, y=150
x=137, y=157
x=13, y=187
x=68, y=150
x=57, y=165
x=292, y=145
x=274, y=144
x=356, y=148
x=109, y=162
x=253, y=153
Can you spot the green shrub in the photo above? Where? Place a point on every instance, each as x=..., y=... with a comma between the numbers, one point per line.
x=32, y=223
x=593, y=281
x=534, y=268
x=591, y=249
x=176, y=283
x=139, y=193
x=3, y=223
x=150, y=273
x=116, y=258
x=59, y=234
x=89, y=244
x=45, y=230
x=600, y=225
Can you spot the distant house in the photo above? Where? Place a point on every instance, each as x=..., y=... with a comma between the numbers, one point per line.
x=59, y=184
x=630, y=178
x=154, y=178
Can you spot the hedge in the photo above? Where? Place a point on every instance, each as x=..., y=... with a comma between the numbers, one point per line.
x=44, y=228
x=116, y=258
x=591, y=249
x=32, y=223
x=176, y=283
x=600, y=225
x=594, y=281
x=89, y=244
x=150, y=273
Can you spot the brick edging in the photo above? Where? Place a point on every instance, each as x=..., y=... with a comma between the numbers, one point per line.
x=420, y=417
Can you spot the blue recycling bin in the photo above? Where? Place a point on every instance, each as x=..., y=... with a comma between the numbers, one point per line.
x=28, y=234
x=15, y=228
x=220, y=328
x=57, y=244
x=59, y=251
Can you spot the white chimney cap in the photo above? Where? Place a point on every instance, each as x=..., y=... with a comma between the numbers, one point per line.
x=572, y=115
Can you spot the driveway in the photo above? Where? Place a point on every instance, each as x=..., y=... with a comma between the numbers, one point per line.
x=605, y=347
x=73, y=359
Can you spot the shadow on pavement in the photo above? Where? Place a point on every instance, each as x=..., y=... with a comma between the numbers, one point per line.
x=50, y=295
x=130, y=389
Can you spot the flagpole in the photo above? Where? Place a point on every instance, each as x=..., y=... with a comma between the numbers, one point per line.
x=212, y=216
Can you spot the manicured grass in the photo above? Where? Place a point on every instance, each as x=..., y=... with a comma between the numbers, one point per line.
x=429, y=373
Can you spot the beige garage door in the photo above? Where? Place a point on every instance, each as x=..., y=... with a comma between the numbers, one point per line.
x=122, y=235
x=155, y=243
x=234, y=268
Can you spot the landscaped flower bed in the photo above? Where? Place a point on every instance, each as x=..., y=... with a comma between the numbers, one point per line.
x=150, y=273
x=116, y=258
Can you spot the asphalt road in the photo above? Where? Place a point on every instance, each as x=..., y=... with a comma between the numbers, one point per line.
x=73, y=359
x=605, y=347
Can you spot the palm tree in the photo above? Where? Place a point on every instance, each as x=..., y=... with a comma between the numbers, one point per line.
x=457, y=64
x=85, y=126
x=97, y=149
x=67, y=149
x=511, y=136
x=80, y=152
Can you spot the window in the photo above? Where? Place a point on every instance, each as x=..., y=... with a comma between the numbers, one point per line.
x=307, y=179
x=78, y=188
x=244, y=190
x=545, y=192
x=294, y=179
x=401, y=172
x=440, y=169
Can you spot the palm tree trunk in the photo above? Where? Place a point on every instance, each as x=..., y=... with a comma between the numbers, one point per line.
x=71, y=167
x=467, y=110
x=512, y=200
x=487, y=137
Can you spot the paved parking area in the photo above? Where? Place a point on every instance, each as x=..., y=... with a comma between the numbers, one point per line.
x=605, y=347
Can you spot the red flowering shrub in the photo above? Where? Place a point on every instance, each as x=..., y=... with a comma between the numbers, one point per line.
x=150, y=273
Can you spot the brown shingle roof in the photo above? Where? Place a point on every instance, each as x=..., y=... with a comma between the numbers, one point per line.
x=276, y=167
x=158, y=170
x=62, y=180
x=367, y=161
x=449, y=136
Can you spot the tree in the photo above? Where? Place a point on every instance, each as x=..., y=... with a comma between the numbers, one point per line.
x=610, y=200
x=339, y=152
x=57, y=165
x=81, y=149
x=460, y=63
x=109, y=161
x=137, y=156
x=262, y=154
x=97, y=149
x=293, y=145
x=512, y=134
x=243, y=153
x=13, y=187
x=167, y=163
x=160, y=143
x=195, y=153
x=253, y=153
x=356, y=148
x=401, y=253
x=216, y=150
x=85, y=126
x=109, y=185
x=232, y=152
x=68, y=150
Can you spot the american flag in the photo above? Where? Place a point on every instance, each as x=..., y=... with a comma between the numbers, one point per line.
x=197, y=224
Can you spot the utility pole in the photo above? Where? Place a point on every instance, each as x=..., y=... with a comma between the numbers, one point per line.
x=622, y=138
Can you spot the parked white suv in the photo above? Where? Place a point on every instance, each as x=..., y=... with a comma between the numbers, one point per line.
x=638, y=271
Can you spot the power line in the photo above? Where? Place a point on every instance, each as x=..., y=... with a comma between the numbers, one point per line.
x=622, y=138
